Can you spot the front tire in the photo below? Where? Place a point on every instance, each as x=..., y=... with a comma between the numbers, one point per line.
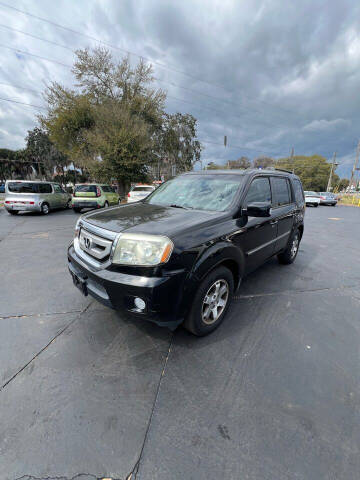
x=316, y=205
x=77, y=210
x=211, y=302
x=68, y=205
x=106, y=204
x=288, y=256
x=45, y=209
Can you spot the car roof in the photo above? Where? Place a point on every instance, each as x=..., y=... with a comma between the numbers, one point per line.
x=29, y=181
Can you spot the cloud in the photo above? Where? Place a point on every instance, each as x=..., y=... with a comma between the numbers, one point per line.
x=326, y=125
x=271, y=75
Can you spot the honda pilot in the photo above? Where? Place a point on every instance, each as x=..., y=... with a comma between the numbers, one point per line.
x=179, y=255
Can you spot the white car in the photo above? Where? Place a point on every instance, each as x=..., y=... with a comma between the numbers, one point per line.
x=139, y=192
x=312, y=198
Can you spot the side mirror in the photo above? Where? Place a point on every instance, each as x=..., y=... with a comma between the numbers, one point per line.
x=257, y=209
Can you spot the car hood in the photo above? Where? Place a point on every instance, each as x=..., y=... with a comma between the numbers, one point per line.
x=154, y=219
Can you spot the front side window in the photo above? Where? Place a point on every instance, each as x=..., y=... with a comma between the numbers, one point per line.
x=57, y=189
x=281, y=191
x=45, y=188
x=259, y=191
x=202, y=192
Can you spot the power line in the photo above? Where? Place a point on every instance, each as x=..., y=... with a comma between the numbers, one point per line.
x=22, y=103
x=106, y=43
x=34, y=55
x=21, y=88
x=132, y=53
x=34, y=36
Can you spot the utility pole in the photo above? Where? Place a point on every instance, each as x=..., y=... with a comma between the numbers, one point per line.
x=355, y=165
x=292, y=158
x=328, y=188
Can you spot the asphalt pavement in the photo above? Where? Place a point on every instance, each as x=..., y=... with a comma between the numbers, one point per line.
x=273, y=394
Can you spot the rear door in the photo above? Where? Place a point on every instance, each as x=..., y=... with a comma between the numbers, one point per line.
x=257, y=238
x=57, y=198
x=284, y=208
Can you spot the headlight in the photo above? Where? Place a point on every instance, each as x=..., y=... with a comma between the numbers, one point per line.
x=142, y=249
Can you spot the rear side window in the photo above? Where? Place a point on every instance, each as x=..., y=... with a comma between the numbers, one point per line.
x=106, y=188
x=299, y=196
x=45, y=188
x=23, y=187
x=259, y=191
x=281, y=191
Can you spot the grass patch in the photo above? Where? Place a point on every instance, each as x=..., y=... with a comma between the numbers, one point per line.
x=350, y=200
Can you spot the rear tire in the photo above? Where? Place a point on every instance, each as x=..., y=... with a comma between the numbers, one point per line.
x=77, y=210
x=45, y=209
x=13, y=212
x=288, y=256
x=316, y=205
x=106, y=204
x=211, y=302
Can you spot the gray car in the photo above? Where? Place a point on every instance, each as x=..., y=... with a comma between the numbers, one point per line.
x=328, y=198
x=34, y=196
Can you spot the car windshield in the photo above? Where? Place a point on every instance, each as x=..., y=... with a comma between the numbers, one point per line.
x=202, y=192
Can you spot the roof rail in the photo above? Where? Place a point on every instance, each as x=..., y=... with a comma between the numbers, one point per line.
x=283, y=170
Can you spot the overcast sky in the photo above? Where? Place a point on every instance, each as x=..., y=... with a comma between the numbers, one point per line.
x=271, y=75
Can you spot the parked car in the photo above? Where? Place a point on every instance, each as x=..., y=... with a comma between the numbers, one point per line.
x=312, y=198
x=93, y=195
x=24, y=195
x=180, y=254
x=328, y=198
x=2, y=187
x=139, y=192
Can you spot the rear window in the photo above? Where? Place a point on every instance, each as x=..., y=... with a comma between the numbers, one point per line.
x=85, y=189
x=23, y=187
x=142, y=189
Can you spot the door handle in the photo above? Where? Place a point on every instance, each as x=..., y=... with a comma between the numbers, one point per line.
x=273, y=222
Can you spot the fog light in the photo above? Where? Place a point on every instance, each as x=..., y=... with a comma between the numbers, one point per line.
x=139, y=303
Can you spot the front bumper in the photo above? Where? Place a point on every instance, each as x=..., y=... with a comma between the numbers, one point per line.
x=163, y=295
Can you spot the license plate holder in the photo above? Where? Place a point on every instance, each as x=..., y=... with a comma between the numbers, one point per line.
x=80, y=283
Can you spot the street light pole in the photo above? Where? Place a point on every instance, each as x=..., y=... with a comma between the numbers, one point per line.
x=328, y=188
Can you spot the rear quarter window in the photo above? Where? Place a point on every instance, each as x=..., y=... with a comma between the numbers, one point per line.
x=23, y=187
x=298, y=191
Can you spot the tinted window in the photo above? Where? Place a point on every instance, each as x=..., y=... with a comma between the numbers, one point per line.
x=203, y=192
x=23, y=187
x=45, y=188
x=259, y=191
x=86, y=188
x=299, y=196
x=142, y=189
x=281, y=191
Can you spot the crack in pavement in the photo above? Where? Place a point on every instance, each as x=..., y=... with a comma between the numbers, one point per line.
x=133, y=474
x=289, y=292
x=46, y=314
x=45, y=347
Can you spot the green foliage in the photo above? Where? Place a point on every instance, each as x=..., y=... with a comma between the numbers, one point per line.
x=313, y=171
x=342, y=184
x=264, y=162
x=115, y=125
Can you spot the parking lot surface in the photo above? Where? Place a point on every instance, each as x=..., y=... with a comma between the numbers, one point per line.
x=274, y=393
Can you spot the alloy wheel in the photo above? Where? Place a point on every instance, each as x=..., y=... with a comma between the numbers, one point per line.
x=215, y=301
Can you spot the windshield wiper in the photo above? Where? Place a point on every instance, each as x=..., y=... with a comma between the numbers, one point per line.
x=178, y=206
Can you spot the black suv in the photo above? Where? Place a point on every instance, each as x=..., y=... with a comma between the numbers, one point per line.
x=179, y=254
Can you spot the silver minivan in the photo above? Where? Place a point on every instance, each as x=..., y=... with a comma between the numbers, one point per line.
x=35, y=196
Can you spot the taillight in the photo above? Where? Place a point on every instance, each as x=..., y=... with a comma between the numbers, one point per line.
x=322, y=198
x=129, y=194
x=98, y=192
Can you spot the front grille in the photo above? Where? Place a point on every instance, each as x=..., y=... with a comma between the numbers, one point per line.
x=97, y=247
